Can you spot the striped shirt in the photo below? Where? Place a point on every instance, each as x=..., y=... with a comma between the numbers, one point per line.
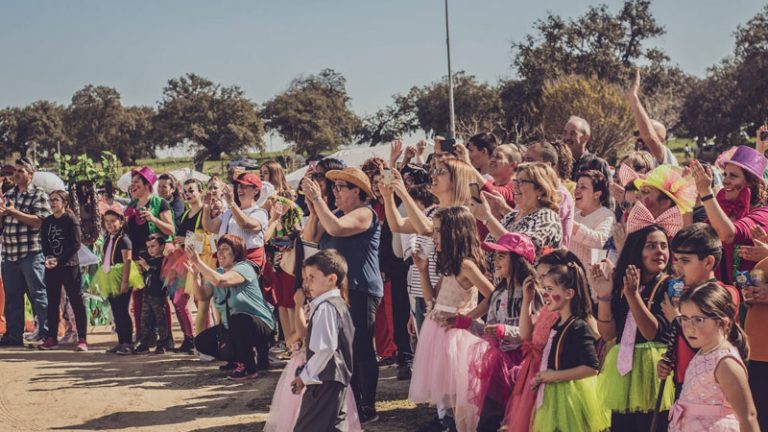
x=425, y=244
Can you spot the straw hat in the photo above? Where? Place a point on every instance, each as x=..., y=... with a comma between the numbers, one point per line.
x=355, y=176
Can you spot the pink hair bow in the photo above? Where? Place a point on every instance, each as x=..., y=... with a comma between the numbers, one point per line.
x=627, y=174
x=671, y=221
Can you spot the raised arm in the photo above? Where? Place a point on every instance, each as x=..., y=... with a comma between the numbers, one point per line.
x=648, y=134
x=722, y=224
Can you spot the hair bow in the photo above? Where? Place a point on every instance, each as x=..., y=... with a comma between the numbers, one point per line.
x=671, y=221
x=627, y=174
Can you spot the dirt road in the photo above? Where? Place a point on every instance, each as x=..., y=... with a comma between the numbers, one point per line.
x=67, y=391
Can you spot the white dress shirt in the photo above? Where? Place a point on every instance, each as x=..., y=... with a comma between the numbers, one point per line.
x=324, y=339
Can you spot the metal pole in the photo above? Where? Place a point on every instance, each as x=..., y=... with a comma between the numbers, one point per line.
x=451, y=114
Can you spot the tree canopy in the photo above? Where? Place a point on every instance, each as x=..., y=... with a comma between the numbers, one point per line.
x=313, y=114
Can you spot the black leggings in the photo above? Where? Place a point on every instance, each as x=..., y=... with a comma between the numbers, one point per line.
x=365, y=370
x=70, y=278
x=758, y=383
x=248, y=332
x=123, y=323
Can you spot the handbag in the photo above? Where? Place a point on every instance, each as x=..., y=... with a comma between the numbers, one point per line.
x=291, y=257
x=224, y=337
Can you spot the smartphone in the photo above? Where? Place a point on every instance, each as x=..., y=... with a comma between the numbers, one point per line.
x=474, y=191
x=446, y=146
x=387, y=176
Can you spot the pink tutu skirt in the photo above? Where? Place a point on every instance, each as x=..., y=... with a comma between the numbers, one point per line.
x=490, y=374
x=441, y=371
x=285, y=406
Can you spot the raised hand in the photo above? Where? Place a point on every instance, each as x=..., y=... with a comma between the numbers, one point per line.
x=496, y=203
x=631, y=281
x=634, y=89
x=461, y=152
x=395, y=150
x=754, y=253
x=601, y=275
x=701, y=177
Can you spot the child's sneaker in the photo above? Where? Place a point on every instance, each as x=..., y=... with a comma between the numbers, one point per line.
x=125, y=349
x=142, y=348
x=160, y=349
x=82, y=346
x=49, y=344
x=241, y=374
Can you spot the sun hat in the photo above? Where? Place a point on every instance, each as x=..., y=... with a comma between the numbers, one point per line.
x=670, y=181
x=146, y=173
x=356, y=176
x=248, y=179
x=513, y=242
x=749, y=160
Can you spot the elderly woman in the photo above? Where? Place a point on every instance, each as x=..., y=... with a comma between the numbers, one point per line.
x=536, y=213
x=146, y=214
x=354, y=230
x=594, y=219
x=245, y=316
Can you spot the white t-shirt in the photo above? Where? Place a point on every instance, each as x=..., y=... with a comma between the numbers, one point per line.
x=669, y=157
x=252, y=239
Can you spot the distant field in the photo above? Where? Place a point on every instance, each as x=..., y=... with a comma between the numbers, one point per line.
x=210, y=167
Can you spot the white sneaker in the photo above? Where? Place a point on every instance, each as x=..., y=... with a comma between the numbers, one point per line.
x=31, y=336
x=205, y=357
x=69, y=338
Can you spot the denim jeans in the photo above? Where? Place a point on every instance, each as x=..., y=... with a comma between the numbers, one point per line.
x=25, y=276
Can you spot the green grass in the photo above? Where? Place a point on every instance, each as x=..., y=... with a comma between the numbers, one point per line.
x=210, y=167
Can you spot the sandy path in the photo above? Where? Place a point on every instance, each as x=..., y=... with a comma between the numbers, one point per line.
x=67, y=391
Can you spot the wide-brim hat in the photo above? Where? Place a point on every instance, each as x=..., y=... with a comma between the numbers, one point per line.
x=670, y=181
x=146, y=173
x=750, y=160
x=356, y=176
x=513, y=242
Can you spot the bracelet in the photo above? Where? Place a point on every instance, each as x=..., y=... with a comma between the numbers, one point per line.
x=707, y=197
x=607, y=298
x=316, y=199
x=608, y=321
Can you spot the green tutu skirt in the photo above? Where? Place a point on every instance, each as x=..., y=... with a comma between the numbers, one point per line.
x=635, y=392
x=572, y=406
x=108, y=284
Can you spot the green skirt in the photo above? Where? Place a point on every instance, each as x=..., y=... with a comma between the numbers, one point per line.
x=108, y=284
x=572, y=406
x=635, y=392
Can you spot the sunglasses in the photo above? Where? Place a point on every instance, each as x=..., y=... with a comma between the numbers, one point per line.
x=438, y=171
x=338, y=186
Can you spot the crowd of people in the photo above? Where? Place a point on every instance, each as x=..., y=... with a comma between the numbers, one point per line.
x=518, y=287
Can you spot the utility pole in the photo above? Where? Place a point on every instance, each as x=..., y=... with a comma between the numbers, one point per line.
x=451, y=114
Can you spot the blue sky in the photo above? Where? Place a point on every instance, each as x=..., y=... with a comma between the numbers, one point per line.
x=50, y=49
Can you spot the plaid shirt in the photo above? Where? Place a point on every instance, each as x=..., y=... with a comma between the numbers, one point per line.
x=20, y=239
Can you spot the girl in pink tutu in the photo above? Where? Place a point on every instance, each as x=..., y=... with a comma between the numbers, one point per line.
x=534, y=333
x=440, y=365
x=492, y=358
x=716, y=395
x=285, y=406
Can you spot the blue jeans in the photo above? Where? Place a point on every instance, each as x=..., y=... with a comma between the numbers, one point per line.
x=20, y=277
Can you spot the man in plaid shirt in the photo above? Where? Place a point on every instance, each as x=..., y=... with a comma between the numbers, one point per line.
x=21, y=213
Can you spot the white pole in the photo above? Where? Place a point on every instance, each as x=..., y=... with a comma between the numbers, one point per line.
x=451, y=114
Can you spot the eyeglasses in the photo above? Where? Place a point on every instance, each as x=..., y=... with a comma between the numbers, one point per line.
x=338, y=186
x=695, y=321
x=518, y=182
x=438, y=171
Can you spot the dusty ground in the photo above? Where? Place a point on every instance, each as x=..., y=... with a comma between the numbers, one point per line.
x=67, y=391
